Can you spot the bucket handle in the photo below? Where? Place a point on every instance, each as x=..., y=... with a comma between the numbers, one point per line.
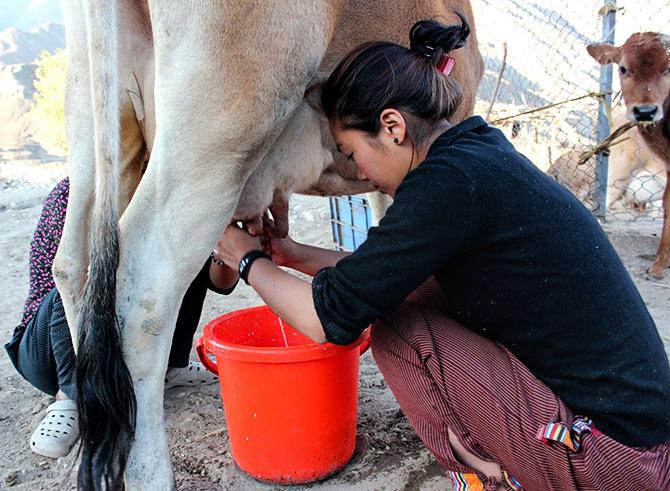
x=365, y=345
x=201, y=351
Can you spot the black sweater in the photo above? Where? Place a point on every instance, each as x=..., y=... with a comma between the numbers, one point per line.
x=520, y=261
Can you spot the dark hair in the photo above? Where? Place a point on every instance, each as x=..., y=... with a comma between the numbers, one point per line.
x=380, y=75
x=105, y=394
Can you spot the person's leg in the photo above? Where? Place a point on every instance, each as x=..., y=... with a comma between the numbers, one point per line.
x=35, y=359
x=182, y=371
x=448, y=379
x=45, y=358
x=403, y=358
x=62, y=349
x=188, y=319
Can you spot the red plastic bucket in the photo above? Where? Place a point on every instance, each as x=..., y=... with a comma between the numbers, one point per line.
x=290, y=411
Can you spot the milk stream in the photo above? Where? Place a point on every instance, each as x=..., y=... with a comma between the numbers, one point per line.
x=281, y=325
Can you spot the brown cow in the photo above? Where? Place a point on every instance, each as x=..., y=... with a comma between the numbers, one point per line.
x=644, y=69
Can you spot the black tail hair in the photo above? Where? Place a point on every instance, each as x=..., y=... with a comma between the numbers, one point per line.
x=105, y=395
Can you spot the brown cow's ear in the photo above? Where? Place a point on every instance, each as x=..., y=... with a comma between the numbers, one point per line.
x=313, y=97
x=604, y=53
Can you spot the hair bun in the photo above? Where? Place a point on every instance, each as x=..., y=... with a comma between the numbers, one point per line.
x=426, y=37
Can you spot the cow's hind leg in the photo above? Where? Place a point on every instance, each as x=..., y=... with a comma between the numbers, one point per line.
x=167, y=233
x=217, y=113
x=71, y=261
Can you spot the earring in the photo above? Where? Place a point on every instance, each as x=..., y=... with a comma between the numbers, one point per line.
x=395, y=140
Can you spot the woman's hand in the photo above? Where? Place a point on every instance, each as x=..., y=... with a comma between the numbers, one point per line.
x=282, y=251
x=280, y=247
x=234, y=244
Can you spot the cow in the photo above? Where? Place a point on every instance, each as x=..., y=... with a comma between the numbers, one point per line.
x=644, y=71
x=217, y=93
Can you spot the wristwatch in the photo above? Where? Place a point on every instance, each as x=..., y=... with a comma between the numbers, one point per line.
x=247, y=260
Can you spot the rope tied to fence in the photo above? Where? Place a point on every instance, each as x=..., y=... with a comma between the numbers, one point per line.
x=607, y=143
x=603, y=146
x=550, y=106
x=609, y=8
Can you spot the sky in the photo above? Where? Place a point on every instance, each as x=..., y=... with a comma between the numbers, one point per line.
x=28, y=14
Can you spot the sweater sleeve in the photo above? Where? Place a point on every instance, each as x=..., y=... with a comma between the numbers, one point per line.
x=43, y=247
x=434, y=217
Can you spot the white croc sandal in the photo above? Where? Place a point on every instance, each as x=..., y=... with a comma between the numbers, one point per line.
x=57, y=433
x=189, y=376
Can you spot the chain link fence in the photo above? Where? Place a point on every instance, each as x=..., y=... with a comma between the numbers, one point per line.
x=544, y=90
x=555, y=102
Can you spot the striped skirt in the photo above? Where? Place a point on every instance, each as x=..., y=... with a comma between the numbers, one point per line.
x=446, y=377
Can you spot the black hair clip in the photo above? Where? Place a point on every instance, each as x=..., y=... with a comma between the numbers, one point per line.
x=438, y=58
x=427, y=51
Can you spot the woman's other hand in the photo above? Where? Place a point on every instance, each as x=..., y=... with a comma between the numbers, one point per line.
x=282, y=251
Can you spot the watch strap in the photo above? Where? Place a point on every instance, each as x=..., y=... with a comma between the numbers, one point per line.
x=247, y=260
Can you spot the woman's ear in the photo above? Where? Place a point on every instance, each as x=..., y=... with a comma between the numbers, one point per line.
x=393, y=125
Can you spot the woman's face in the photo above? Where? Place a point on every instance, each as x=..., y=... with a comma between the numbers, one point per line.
x=379, y=159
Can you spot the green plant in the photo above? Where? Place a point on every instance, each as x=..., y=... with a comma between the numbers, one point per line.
x=47, y=114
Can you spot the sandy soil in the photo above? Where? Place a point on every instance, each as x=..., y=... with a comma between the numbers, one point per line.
x=390, y=457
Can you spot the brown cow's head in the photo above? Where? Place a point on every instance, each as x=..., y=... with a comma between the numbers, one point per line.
x=644, y=69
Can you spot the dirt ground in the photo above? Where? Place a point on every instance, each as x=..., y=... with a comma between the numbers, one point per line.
x=389, y=456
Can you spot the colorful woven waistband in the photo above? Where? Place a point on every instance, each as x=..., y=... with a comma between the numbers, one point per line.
x=571, y=437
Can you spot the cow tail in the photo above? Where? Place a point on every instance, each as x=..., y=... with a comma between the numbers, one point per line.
x=105, y=396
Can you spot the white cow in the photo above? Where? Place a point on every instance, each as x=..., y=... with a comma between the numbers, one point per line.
x=214, y=91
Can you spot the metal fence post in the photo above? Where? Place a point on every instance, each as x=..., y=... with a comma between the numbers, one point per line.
x=604, y=111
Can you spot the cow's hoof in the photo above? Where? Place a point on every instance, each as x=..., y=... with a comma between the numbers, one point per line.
x=654, y=274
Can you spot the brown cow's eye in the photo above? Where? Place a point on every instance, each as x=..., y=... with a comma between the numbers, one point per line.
x=622, y=70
